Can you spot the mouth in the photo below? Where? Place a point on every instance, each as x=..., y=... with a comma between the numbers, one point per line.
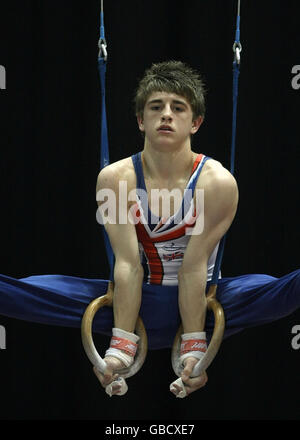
x=165, y=129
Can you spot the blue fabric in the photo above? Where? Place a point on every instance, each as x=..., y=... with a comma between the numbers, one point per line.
x=104, y=154
x=140, y=180
x=137, y=163
x=153, y=219
x=247, y=300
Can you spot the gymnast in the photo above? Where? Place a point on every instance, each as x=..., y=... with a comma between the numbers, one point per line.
x=172, y=241
x=165, y=251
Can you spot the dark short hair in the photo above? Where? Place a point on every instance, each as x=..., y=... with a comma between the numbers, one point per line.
x=172, y=77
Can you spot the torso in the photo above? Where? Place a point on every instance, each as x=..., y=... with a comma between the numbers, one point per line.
x=125, y=171
x=162, y=245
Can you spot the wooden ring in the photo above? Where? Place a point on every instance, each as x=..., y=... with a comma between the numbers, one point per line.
x=88, y=343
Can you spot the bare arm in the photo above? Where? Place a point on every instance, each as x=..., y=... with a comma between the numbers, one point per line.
x=220, y=204
x=128, y=272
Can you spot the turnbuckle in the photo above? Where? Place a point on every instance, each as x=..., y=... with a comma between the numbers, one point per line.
x=237, y=49
x=102, y=49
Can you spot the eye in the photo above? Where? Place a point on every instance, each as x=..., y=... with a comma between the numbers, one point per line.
x=179, y=109
x=155, y=107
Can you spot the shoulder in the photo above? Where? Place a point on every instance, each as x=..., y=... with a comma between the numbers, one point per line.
x=214, y=173
x=220, y=187
x=112, y=174
x=215, y=177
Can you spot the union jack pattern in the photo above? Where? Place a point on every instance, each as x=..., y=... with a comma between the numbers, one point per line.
x=162, y=242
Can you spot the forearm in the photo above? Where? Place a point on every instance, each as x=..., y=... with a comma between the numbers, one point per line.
x=192, y=299
x=128, y=282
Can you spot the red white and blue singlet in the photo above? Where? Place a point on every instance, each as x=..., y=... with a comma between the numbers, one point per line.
x=248, y=300
x=162, y=242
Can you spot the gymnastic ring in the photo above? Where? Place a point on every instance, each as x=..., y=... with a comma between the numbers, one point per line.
x=216, y=340
x=88, y=343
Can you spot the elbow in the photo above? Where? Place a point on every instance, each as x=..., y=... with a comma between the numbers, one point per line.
x=124, y=272
x=190, y=269
x=192, y=274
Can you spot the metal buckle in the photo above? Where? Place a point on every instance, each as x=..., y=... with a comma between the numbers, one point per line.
x=237, y=49
x=102, y=49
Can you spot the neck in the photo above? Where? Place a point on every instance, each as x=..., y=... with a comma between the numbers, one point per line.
x=165, y=165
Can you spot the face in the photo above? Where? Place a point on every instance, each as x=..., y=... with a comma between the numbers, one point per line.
x=168, y=119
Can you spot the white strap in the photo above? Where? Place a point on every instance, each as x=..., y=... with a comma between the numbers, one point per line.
x=119, y=381
x=179, y=382
x=120, y=354
x=119, y=333
x=197, y=354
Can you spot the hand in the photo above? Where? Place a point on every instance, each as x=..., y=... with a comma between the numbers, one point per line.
x=191, y=384
x=113, y=364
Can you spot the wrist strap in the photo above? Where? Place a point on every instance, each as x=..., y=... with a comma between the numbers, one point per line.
x=123, y=346
x=193, y=344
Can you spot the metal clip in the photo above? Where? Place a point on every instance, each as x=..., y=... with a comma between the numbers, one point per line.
x=237, y=49
x=102, y=49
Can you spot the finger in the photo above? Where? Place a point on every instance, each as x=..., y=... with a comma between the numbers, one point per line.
x=196, y=383
x=177, y=388
x=108, y=375
x=98, y=373
x=188, y=367
x=186, y=372
x=118, y=388
x=104, y=379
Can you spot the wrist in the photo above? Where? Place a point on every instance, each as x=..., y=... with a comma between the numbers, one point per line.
x=193, y=344
x=123, y=346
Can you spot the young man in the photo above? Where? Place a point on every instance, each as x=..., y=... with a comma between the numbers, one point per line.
x=165, y=245
x=165, y=249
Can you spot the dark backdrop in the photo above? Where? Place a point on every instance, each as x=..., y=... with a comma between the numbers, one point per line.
x=50, y=125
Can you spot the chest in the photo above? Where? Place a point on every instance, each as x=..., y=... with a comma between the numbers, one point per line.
x=165, y=198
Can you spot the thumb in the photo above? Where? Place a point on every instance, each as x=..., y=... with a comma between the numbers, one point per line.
x=188, y=368
x=108, y=374
x=104, y=378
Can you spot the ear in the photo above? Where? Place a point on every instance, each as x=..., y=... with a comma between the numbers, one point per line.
x=196, y=124
x=140, y=121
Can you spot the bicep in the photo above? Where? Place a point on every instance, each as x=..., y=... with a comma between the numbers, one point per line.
x=113, y=215
x=123, y=240
x=219, y=209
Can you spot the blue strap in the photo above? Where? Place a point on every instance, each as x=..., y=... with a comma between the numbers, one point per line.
x=236, y=71
x=137, y=163
x=104, y=151
x=104, y=138
x=104, y=156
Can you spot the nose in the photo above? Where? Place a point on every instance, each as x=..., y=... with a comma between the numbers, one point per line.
x=167, y=113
